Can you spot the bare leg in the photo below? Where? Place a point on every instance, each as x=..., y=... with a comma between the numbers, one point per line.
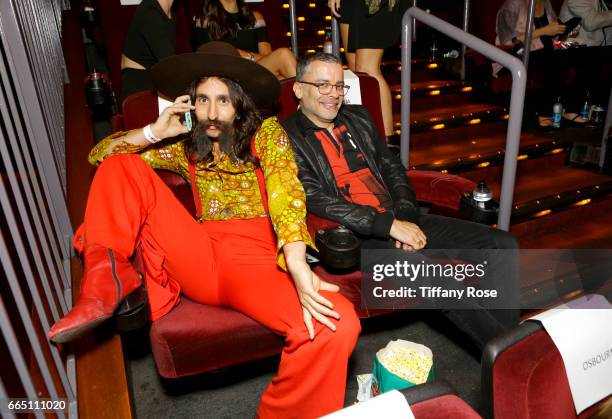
x=280, y=62
x=368, y=61
x=350, y=56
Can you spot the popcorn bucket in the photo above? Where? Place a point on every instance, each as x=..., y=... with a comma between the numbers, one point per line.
x=402, y=364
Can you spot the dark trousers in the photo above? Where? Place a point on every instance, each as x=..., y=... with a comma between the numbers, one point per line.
x=461, y=238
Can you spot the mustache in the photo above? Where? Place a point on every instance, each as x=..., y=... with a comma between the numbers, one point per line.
x=203, y=144
x=220, y=125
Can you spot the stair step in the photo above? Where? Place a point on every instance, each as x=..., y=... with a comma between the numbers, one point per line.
x=422, y=70
x=465, y=154
x=433, y=94
x=545, y=187
x=452, y=116
x=561, y=231
x=433, y=88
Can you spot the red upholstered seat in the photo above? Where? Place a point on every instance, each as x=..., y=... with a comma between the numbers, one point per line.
x=195, y=338
x=140, y=109
x=437, y=400
x=524, y=377
x=444, y=407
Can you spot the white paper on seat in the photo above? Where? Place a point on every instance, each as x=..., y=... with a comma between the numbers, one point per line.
x=390, y=405
x=583, y=337
x=353, y=97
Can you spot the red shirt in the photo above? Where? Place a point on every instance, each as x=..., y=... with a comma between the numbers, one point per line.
x=353, y=176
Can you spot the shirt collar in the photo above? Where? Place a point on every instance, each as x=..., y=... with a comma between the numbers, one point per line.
x=310, y=126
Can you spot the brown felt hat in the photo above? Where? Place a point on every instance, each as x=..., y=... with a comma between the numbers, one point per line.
x=173, y=75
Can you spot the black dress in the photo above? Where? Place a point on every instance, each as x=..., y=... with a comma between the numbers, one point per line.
x=378, y=31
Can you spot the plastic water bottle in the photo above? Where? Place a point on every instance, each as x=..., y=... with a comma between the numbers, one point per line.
x=328, y=46
x=451, y=54
x=556, y=114
x=482, y=195
x=586, y=108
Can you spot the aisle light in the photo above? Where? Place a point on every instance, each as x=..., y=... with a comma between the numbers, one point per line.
x=583, y=202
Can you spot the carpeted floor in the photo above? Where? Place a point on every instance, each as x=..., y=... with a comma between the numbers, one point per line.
x=234, y=393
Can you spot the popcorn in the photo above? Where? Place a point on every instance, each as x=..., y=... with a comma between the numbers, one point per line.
x=407, y=363
x=402, y=364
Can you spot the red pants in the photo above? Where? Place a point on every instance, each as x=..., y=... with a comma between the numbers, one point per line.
x=230, y=263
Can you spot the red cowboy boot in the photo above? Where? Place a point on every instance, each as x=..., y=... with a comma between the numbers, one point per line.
x=107, y=280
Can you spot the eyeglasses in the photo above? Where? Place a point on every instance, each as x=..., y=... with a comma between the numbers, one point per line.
x=326, y=88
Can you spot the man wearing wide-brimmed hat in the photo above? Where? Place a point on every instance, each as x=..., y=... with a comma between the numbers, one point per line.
x=251, y=215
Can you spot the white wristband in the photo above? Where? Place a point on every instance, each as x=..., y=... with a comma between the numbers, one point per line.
x=149, y=136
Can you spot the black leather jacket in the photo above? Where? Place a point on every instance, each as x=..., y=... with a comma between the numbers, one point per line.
x=324, y=199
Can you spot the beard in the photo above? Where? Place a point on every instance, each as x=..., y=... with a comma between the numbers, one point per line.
x=203, y=144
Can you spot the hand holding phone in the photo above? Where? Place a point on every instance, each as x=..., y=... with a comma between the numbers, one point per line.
x=570, y=25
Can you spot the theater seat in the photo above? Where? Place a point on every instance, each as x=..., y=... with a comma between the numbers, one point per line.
x=437, y=400
x=183, y=344
x=523, y=376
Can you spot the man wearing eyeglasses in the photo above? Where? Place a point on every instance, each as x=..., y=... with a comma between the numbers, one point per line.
x=352, y=178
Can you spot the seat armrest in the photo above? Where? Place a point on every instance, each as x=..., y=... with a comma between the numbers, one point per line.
x=315, y=223
x=439, y=189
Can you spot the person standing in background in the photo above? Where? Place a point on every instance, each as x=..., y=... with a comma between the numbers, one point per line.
x=150, y=38
x=596, y=23
x=368, y=27
x=549, y=67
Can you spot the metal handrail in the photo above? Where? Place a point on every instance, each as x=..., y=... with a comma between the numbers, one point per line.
x=519, y=82
x=528, y=33
x=335, y=37
x=466, y=19
x=606, y=133
x=293, y=28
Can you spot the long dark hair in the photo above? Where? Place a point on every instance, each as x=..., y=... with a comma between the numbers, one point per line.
x=216, y=19
x=236, y=143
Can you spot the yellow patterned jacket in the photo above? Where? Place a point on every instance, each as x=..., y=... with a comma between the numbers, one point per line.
x=230, y=190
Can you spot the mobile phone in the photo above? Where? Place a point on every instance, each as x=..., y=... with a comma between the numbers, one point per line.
x=570, y=25
x=188, y=121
